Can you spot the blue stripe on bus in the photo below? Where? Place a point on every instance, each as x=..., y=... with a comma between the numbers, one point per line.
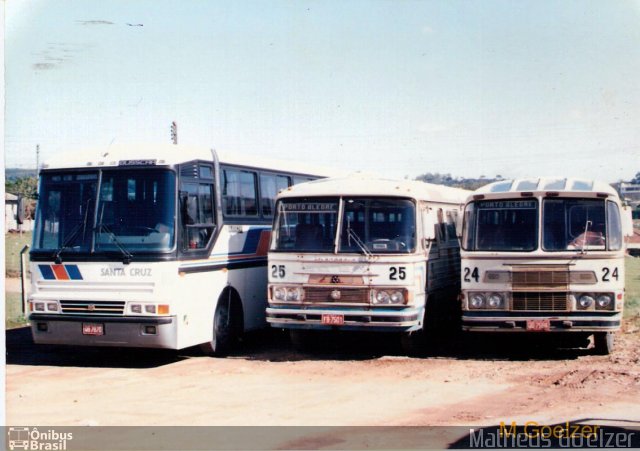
x=251, y=241
x=74, y=272
x=47, y=272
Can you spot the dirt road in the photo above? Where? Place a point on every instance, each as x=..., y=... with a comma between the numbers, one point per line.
x=363, y=381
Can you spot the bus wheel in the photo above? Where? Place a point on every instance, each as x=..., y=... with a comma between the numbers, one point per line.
x=603, y=343
x=414, y=343
x=227, y=325
x=302, y=340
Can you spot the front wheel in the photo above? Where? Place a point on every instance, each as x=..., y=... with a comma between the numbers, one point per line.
x=227, y=326
x=603, y=343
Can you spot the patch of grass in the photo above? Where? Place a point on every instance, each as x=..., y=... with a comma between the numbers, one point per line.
x=13, y=244
x=632, y=290
x=13, y=311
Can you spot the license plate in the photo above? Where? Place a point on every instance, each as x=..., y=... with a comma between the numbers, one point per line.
x=333, y=320
x=92, y=329
x=538, y=325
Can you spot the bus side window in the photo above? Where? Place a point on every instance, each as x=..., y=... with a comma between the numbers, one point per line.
x=197, y=214
x=270, y=186
x=239, y=196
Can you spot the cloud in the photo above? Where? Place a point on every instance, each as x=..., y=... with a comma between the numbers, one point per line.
x=55, y=55
x=435, y=127
x=427, y=30
x=94, y=22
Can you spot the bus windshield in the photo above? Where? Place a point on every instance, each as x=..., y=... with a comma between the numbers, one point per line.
x=133, y=212
x=501, y=225
x=307, y=224
x=579, y=224
x=369, y=225
x=374, y=225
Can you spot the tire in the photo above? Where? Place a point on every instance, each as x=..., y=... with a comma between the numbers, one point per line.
x=302, y=340
x=603, y=343
x=227, y=326
x=414, y=344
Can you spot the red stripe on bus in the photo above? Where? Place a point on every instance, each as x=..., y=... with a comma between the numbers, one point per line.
x=263, y=244
x=60, y=272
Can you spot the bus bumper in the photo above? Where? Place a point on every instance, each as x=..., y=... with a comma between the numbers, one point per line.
x=134, y=332
x=530, y=321
x=381, y=320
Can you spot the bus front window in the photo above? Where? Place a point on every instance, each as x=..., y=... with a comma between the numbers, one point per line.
x=378, y=226
x=306, y=225
x=66, y=209
x=574, y=224
x=136, y=210
x=501, y=225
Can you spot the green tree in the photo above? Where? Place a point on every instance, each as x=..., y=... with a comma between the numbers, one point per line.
x=25, y=187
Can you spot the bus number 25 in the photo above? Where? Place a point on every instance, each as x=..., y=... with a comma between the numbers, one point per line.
x=277, y=271
x=471, y=274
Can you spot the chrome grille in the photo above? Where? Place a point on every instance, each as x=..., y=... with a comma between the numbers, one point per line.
x=92, y=307
x=540, y=301
x=347, y=295
x=540, y=280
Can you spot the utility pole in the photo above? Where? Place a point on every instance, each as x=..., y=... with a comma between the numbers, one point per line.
x=174, y=132
x=37, y=158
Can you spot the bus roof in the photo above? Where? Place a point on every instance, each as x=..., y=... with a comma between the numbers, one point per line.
x=542, y=185
x=359, y=184
x=169, y=154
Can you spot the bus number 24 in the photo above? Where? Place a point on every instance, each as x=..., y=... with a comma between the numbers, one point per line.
x=471, y=274
x=607, y=274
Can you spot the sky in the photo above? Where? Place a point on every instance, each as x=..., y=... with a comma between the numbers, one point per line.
x=396, y=87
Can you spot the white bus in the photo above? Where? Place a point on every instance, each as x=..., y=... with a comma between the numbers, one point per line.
x=361, y=253
x=157, y=246
x=545, y=255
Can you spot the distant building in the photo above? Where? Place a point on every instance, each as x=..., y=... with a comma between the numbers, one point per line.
x=11, y=215
x=629, y=192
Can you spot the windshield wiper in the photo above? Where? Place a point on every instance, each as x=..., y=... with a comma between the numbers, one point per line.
x=585, y=237
x=72, y=236
x=126, y=255
x=351, y=235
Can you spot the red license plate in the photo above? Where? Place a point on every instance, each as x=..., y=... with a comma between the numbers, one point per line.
x=333, y=320
x=92, y=329
x=538, y=325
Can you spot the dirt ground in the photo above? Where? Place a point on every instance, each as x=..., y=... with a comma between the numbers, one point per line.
x=352, y=380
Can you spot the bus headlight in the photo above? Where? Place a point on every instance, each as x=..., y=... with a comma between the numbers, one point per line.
x=287, y=294
x=495, y=300
x=585, y=301
x=38, y=306
x=294, y=294
x=381, y=297
x=476, y=301
x=52, y=306
x=396, y=297
x=279, y=293
x=604, y=302
x=389, y=297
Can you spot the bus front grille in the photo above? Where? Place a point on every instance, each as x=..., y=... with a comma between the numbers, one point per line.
x=540, y=301
x=540, y=279
x=92, y=307
x=337, y=295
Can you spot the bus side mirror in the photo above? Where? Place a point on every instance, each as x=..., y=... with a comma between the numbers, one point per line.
x=20, y=210
x=428, y=226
